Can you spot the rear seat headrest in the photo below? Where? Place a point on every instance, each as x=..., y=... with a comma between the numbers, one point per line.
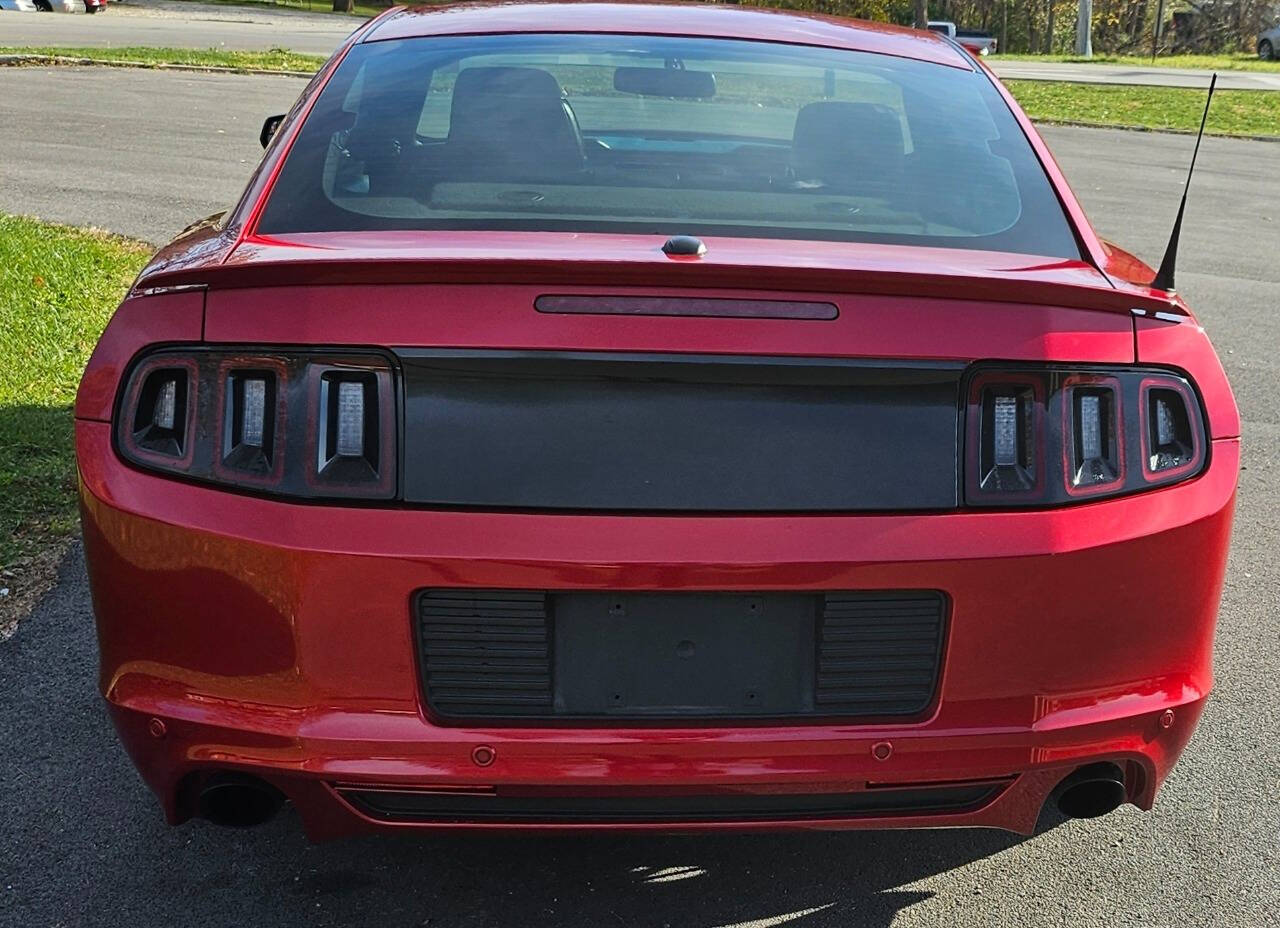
x=513, y=118
x=842, y=144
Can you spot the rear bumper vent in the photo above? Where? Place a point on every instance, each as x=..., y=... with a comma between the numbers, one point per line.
x=485, y=652
x=879, y=654
x=562, y=656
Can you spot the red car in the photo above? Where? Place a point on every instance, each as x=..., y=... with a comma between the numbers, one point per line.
x=623, y=416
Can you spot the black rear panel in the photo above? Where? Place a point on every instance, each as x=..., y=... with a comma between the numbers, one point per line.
x=573, y=430
x=518, y=654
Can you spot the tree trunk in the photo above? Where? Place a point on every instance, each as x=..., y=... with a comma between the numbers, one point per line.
x=1048, y=29
x=344, y=6
x=922, y=14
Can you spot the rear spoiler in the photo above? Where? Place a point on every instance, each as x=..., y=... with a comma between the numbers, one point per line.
x=975, y=276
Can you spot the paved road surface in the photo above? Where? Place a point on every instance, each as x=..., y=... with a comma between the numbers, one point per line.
x=128, y=165
x=185, y=25
x=83, y=843
x=1117, y=74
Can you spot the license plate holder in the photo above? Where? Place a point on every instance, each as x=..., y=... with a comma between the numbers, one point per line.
x=682, y=655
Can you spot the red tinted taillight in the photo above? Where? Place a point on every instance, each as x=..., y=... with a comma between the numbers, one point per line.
x=156, y=418
x=1043, y=436
x=1005, y=458
x=309, y=424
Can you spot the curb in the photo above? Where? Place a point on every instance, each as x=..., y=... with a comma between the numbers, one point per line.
x=19, y=61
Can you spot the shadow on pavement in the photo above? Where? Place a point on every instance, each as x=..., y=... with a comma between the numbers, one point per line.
x=85, y=843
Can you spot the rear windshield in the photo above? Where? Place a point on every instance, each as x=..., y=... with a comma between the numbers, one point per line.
x=661, y=135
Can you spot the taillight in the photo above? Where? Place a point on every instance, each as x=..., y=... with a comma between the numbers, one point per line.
x=157, y=416
x=1042, y=436
x=309, y=424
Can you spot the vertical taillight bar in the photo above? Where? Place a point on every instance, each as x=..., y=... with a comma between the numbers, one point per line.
x=254, y=420
x=156, y=419
x=1004, y=447
x=1173, y=438
x=353, y=452
x=1092, y=433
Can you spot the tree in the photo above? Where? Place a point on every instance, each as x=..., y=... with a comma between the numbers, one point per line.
x=922, y=14
x=344, y=6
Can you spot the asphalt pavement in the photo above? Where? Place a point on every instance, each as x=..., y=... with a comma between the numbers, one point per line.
x=83, y=842
x=165, y=23
x=143, y=153
x=1156, y=76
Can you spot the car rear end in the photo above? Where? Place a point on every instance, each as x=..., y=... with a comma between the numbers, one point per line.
x=486, y=514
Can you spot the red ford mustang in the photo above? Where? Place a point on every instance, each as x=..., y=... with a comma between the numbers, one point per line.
x=647, y=417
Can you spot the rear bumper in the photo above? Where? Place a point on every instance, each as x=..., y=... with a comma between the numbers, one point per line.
x=241, y=633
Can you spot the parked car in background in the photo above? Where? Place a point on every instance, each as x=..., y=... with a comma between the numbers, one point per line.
x=20, y=6
x=67, y=6
x=980, y=43
x=1269, y=44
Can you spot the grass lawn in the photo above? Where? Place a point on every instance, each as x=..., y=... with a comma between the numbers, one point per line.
x=58, y=287
x=276, y=59
x=1240, y=61
x=1234, y=112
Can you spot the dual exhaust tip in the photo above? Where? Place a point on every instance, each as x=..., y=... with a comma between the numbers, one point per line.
x=238, y=800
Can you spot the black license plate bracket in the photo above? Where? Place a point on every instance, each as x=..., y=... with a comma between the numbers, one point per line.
x=680, y=655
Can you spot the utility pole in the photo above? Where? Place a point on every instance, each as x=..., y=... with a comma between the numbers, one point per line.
x=1084, y=30
x=922, y=14
x=1156, y=29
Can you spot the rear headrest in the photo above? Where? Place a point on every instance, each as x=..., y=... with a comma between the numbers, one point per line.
x=514, y=119
x=524, y=83
x=847, y=146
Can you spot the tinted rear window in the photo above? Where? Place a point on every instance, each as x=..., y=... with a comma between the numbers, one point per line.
x=662, y=135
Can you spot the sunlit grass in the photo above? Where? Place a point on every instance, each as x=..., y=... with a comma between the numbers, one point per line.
x=1234, y=112
x=275, y=59
x=58, y=288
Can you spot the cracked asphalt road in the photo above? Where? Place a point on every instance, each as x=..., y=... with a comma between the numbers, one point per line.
x=83, y=842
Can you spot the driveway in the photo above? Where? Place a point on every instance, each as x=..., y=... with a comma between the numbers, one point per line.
x=83, y=840
x=1007, y=69
x=186, y=25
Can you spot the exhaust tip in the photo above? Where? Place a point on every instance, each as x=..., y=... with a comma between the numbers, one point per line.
x=1091, y=791
x=237, y=800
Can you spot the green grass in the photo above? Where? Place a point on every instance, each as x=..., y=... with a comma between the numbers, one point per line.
x=275, y=59
x=58, y=287
x=1234, y=112
x=1239, y=61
